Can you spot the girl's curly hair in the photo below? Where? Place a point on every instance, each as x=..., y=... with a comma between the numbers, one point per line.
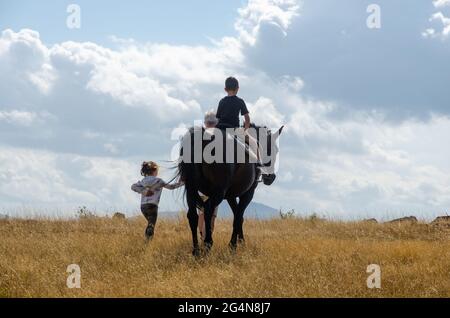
x=148, y=168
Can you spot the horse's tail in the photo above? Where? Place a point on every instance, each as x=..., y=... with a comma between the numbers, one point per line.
x=187, y=171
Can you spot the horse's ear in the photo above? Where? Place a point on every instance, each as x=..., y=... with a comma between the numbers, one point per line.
x=280, y=130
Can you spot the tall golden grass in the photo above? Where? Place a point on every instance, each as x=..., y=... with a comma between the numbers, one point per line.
x=281, y=258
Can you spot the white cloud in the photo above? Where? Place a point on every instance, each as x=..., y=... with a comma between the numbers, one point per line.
x=309, y=119
x=400, y=168
x=441, y=3
x=441, y=18
x=278, y=13
x=264, y=112
x=286, y=177
x=18, y=117
x=23, y=54
x=429, y=33
x=294, y=83
x=25, y=118
x=445, y=21
x=111, y=148
x=134, y=83
x=30, y=176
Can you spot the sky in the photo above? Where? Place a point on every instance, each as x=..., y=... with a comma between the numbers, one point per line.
x=170, y=21
x=366, y=110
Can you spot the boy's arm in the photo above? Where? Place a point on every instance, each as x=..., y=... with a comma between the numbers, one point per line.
x=245, y=113
x=246, y=121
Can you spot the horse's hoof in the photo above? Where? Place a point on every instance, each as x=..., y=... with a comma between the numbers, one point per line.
x=241, y=241
x=196, y=252
x=232, y=246
x=208, y=246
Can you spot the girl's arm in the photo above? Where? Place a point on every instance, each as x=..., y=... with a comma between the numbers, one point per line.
x=138, y=187
x=158, y=185
x=146, y=188
x=173, y=185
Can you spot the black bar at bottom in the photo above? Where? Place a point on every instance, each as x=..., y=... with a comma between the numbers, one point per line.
x=223, y=307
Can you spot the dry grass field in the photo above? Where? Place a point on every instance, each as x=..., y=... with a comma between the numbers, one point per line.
x=282, y=258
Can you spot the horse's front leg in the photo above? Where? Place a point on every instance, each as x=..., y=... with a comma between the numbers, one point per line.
x=244, y=201
x=234, y=236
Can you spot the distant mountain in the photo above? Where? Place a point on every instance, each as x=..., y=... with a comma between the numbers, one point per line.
x=255, y=210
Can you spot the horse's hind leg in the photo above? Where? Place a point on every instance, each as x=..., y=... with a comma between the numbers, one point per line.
x=193, y=222
x=208, y=211
x=210, y=206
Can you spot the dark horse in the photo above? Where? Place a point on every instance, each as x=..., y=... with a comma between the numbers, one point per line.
x=224, y=179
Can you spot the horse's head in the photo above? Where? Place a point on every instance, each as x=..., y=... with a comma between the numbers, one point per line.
x=268, y=148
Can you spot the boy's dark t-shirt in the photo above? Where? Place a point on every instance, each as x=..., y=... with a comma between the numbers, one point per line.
x=229, y=109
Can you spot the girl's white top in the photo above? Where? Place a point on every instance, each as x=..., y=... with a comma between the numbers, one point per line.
x=155, y=185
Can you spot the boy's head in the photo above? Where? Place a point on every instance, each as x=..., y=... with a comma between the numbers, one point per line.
x=149, y=168
x=231, y=85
